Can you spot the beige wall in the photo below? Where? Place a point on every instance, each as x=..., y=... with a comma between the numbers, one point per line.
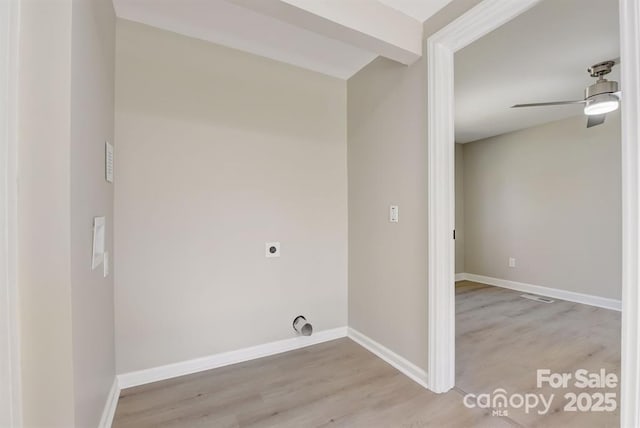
x=459, y=189
x=387, y=166
x=65, y=114
x=44, y=203
x=218, y=152
x=550, y=196
x=92, y=123
x=387, y=157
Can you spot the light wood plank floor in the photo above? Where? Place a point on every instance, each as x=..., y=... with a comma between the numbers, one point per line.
x=338, y=383
x=502, y=339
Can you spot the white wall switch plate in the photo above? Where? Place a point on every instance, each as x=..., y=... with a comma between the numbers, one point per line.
x=108, y=161
x=512, y=262
x=393, y=213
x=105, y=264
x=99, y=225
x=272, y=249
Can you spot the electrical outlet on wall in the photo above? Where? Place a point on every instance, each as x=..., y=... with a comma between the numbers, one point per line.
x=272, y=249
x=512, y=262
x=393, y=213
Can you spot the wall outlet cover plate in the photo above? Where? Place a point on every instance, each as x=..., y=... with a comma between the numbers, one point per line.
x=105, y=264
x=99, y=225
x=393, y=213
x=272, y=249
x=108, y=162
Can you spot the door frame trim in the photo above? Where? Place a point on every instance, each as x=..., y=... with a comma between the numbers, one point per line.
x=480, y=20
x=10, y=373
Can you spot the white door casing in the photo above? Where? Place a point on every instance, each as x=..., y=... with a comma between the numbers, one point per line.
x=10, y=408
x=482, y=19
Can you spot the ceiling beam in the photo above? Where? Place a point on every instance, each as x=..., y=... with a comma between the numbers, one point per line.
x=369, y=25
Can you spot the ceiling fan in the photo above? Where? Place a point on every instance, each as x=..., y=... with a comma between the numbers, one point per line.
x=599, y=99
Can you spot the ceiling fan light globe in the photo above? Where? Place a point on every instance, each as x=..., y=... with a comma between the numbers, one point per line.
x=601, y=104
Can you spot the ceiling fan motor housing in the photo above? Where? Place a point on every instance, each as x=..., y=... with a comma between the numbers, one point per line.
x=602, y=68
x=602, y=86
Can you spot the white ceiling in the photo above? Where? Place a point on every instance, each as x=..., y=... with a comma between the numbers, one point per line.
x=334, y=37
x=227, y=24
x=540, y=56
x=420, y=10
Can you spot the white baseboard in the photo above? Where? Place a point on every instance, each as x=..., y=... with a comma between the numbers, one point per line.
x=586, y=299
x=154, y=374
x=406, y=367
x=460, y=277
x=110, y=406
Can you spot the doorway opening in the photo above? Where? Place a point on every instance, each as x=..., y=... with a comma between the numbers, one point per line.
x=481, y=20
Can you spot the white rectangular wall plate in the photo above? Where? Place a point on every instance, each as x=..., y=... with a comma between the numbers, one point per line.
x=393, y=213
x=108, y=161
x=512, y=262
x=272, y=249
x=105, y=264
x=99, y=225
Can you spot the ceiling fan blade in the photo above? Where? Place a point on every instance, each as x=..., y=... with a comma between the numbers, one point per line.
x=595, y=120
x=552, y=103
